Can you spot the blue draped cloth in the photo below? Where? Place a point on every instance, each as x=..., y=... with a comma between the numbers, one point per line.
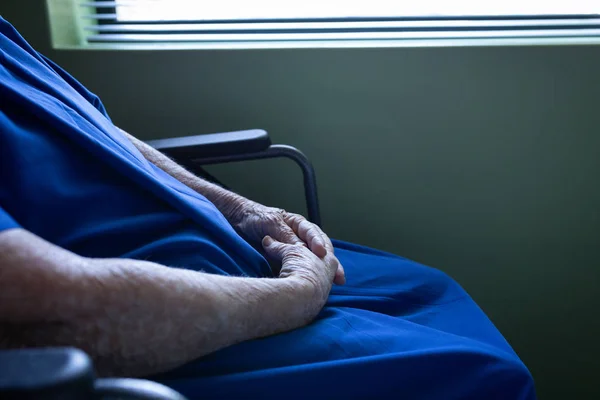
x=397, y=329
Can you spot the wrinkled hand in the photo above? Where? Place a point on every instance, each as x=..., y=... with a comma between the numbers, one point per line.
x=259, y=221
x=299, y=262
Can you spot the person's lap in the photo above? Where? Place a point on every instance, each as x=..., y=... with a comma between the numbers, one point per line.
x=397, y=328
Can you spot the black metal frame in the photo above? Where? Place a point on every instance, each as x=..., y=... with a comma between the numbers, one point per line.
x=279, y=151
x=218, y=148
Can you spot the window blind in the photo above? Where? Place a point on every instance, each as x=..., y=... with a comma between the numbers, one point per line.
x=151, y=21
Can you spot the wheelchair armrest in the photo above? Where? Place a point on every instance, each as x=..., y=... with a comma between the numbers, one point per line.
x=134, y=389
x=64, y=373
x=214, y=144
x=46, y=373
x=215, y=148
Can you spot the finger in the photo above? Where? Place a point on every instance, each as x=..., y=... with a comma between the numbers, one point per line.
x=312, y=237
x=285, y=234
x=293, y=220
x=274, y=249
x=326, y=239
x=307, y=231
x=340, y=273
x=340, y=276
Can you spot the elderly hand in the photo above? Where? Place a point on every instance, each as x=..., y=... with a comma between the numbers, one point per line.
x=298, y=262
x=257, y=222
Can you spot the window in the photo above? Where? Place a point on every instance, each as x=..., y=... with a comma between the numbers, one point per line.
x=186, y=10
x=151, y=21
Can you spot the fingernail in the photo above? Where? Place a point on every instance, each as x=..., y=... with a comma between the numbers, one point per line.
x=267, y=240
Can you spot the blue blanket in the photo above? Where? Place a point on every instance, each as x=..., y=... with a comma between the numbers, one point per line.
x=396, y=330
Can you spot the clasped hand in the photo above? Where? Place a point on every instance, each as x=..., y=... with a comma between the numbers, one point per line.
x=299, y=247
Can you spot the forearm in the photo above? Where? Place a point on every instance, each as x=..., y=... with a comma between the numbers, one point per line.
x=136, y=317
x=252, y=220
x=229, y=203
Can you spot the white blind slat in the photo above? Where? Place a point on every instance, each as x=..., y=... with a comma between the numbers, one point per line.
x=108, y=25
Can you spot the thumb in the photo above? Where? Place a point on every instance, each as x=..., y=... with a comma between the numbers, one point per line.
x=274, y=249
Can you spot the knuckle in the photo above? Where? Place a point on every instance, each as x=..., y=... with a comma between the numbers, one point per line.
x=299, y=251
x=278, y=214
x=290, y=237
x=294, y=219
x=271, y=218
x=293, y=251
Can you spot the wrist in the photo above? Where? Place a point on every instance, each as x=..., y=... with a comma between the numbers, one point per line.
x=236, y=209
x=307, y=299
x=233, y=206
x=288, y=304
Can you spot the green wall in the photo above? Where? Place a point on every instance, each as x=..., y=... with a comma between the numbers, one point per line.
x=480, y=161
